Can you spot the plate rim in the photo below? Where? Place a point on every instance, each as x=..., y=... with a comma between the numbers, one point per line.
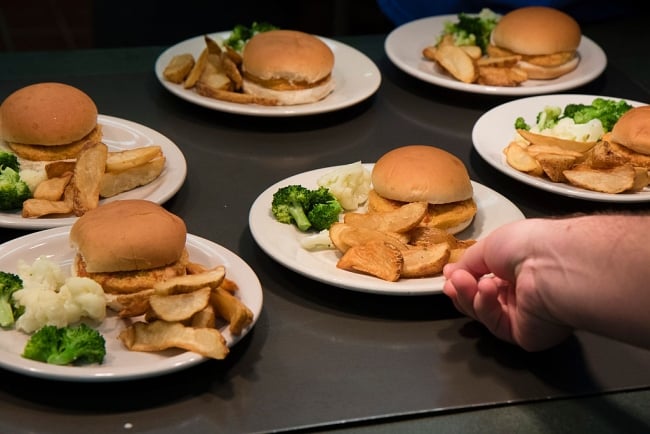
x=172, y=152
x=372, y=81
x=546, y=86
x=406, y=287
x=184, y=359
x=485, y=150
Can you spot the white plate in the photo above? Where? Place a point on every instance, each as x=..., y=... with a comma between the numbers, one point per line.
x=496, y=128
x=119, y=364
x=120, y=134
x=404, y=48
x=356, y=78
x=282, y=241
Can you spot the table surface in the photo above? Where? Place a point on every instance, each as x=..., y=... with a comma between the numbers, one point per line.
x=321, y=357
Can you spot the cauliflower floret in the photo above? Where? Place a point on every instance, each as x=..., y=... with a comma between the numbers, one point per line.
x=349, y=183
x=51, y=299
x=567, y=129
x=317, y=241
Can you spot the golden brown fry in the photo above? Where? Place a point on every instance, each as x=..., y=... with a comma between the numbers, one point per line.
x=403, y=219
x=569, y=145
x=615, y=180
x=501, y=76
x=425, y=236
x=117, y=161
x=91, y=163
x=424, y=262
x=161, y=335
x=191, y=282
x=113, y=183
x=344, y=236
x=130, y=305
x=641, y=178
x=205, y=318
x=240, y=98
x=234, y=56
x=376, y=258
x=42, y=207
x=212, y=45
x=231, y=70
x=473, y=51
x=503, y=62
x=55, y=169
x=197, y=70
x=518, y=158
x=179, y=307
x=429, y=52
x=52, y=188
x=232, y=310
x=554, y=165
x=457, y=63
x=178, y=68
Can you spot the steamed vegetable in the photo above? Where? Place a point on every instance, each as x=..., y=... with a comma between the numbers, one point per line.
x=472, y=29
x=68, y=345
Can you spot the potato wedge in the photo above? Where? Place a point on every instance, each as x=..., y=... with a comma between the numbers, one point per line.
x=424, y=262
x=376, y=258
x=197, y=70
x=178, y=68
x=191, y=282
x=161, y=335
x=179, y=307
x=113, y=183
x=344, y=236
x=91, y=163
x=52, y=188
x=457, y=63
x=229, y=307
x=43, y=207
x=117, y=161
x=518, y=158
x=614, y=180
x=554, y=165
x=403, y=219
x=570, y=145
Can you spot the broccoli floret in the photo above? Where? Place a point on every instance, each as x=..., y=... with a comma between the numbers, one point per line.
x=10, y=310
x=606, y=110
x=307, y=209
x=291, y=204
x=548, y=117
x=324, y=209
x=473, y=29
x=13, y=190
x=77, y=345
x=7, y=159
x=520, y=124
x=241, y=34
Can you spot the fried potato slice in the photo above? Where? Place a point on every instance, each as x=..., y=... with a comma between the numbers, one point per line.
x=178, y=68
x=429, y=52
x=554, y=165
x=43, y=207
x=614, y=180
x=232, y=71
x=229, y=307
x=117, y=161
x=130, y=305
x=179, y=307
x=212, y=45
x=376, y=258
x=191, y=282
x=52, y=188
x=113, y=183
x=91, y=163
x=518, y=158
x=197, y=70
x=425, y=236
x=457, y=63
x=641, y=178
x=344, y=236
x=424, y=262
x=54, y=169
x=403, y=219
x=205, y=318
x=501, y=76
x=161, y=335
x=569, y=145
x=473, y=51
x=501, y=62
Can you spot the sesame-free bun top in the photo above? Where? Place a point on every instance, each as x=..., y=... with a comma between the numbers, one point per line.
x=421, y=173
x=537, y=30
x=47, y=114
x=287, y=55
x=632, y=129
x=127, y=235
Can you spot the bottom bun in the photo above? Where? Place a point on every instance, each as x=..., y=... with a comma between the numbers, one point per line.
x=290, y=97
x=460, y=226
x=536, y=72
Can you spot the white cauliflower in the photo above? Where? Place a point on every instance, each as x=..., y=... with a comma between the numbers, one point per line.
x=349, y=183
x=318, y=241
x=50, y=298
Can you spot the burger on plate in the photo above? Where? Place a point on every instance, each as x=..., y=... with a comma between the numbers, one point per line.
x=288, y=66
x=48, y=121
x=630, y=136
x=129, y=245
x=546, y=39
x=421, y=173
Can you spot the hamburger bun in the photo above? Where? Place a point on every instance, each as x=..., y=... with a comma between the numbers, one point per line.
x=289, y=66
x=632, y=130
x=546, y=38
x=48, y=121
x=128, y=245
x=422, y=173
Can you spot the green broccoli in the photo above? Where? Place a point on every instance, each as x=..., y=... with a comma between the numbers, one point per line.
x=7, y=159
x=13, y=189
x=472, y=29
x=324, y=209
x=607, y=110
x=77, y=345
x=307, y=209
x=290, y=205
x=241, y=34
x=10, y=310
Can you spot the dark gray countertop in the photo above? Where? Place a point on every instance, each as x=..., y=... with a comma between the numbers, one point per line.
x=322, y=357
